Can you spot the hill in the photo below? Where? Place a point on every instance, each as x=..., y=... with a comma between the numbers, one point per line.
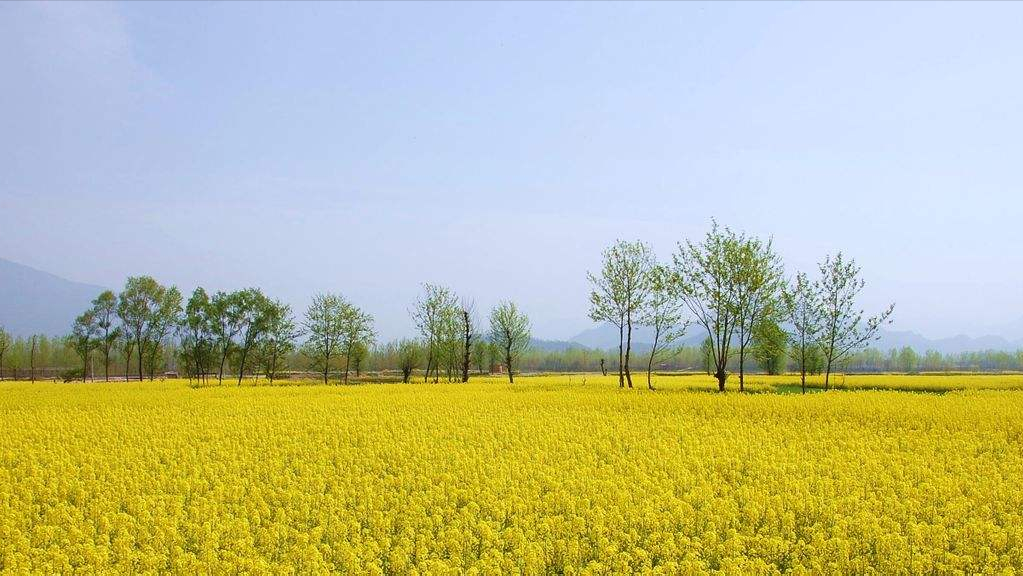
x=33, y=301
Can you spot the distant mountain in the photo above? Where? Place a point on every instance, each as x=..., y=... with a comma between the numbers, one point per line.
x=953, y=345
x=36, y=302
x=605, y=336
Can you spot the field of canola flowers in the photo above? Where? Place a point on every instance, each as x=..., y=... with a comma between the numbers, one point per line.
x=550, y=475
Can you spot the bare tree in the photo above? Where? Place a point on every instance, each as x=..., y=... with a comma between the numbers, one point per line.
x=704, y=275
x=509, y=330
x=619, y=292
x=843, y=328
x=662, y=313
x=468, y=335
x=803, y=313
x=32, y=360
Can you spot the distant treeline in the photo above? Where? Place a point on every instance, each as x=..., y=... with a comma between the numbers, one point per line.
x=55, y=357
x=728, y=287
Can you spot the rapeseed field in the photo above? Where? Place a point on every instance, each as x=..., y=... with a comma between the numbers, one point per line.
x=554, y=474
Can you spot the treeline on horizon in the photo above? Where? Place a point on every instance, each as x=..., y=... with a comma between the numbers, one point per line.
x=55, y=358
x=729, y=287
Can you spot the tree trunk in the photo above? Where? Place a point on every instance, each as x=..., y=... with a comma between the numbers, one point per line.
x=468, y=346
x=241, y=365
x=508, y=361
x=721, y=375
x=742, y=360
x=429, y=364
x=138, y=342
x=348, y=362
x=628, y=352
x=621, y=337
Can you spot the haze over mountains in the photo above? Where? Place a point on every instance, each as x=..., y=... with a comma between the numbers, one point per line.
x=34, y=301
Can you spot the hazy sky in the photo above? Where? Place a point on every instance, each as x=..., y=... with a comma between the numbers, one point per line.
x=498, y=148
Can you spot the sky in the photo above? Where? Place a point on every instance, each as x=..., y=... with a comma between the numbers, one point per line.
x=498, y=148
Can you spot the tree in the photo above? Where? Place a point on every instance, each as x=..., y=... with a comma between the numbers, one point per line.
x=228, y=317
x=358, y=355
x=802, y=310
x=909, y=360
x=843, y=328
x=509, y=331
x=324, y=322
x=198, y=336
x=32, y=360
x=769, y=345
x=253, y=310
x=147, y=311
x=705, y=276
x=126, y=345
x=467, y=332
x=5, y=345
x=662, y=313
x=619, y=293
x=357, y=330
x=410, y=355
x=434, y=315
x=277, y=339
x=479, y=354
x=84, y=338
x=758, y=282
x=104, y=308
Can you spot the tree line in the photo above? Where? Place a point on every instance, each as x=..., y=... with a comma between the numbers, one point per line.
x=732, y=287
x=729, y=286
x=148, y=327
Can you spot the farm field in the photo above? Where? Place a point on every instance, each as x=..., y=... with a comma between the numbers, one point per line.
x=559, y=473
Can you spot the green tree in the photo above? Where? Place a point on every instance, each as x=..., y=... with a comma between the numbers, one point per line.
x=843, y=328
x=509, y=331
x=410, y=353
x=325, y=326
x=769, y=345
x=758, y=284
x=435, y=315
x=84, y=338
x=253, y=311
x=663, y=314
x=802, y=310
x=197, y=336
x=705, y=276
x=104, y=308
x=147, y=311
x=909, y=360
x=277, y=339
x=357, y=330
x=5, y=345
x=619, y=294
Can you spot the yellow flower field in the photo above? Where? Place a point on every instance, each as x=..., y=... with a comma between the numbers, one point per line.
x=548, y=475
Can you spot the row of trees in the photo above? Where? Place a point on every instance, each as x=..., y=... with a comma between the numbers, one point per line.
x=248, y=332
x=451, y=337
x=733, y=287
x=41, y=356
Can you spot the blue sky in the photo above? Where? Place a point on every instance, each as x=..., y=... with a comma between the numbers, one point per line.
x=497, y=148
